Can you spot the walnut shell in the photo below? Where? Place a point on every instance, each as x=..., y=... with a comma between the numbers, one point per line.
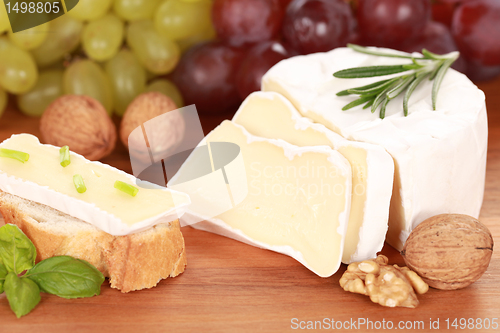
x=81, y=123
x=449, y=251
x=166, y=135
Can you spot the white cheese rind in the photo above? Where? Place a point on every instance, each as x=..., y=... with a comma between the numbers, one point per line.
x=278, y=229
x=86, y=211
x=440, y=156
x=270, y=115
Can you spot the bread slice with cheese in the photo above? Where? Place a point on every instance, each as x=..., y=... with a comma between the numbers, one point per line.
x=132, y=262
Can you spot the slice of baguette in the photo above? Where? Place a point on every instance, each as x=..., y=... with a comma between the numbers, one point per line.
x=132, y=262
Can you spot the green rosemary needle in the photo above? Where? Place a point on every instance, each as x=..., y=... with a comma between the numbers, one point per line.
x=378, y=94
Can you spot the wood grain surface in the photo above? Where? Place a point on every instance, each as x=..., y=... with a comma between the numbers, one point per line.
x=232, y=287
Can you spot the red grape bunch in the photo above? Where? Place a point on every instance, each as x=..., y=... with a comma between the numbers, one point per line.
x=213, y=53
x=253, y=35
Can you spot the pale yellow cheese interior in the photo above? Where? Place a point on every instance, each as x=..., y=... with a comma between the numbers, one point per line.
x=270, y=117
x=43, y=168
x=296, y=202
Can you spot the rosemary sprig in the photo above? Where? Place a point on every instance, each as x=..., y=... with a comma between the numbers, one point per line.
x=379, y=94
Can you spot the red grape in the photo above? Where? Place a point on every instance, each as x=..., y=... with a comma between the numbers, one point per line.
x=390, y=22
x=284, y=3
x=476, y=28
x=478, y=72
x=247, y=21
x=206, y=77
x=442, y=11
x=257, y=62
x=317, y=25
x=436, y=38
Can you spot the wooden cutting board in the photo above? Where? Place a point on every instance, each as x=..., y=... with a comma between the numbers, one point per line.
x=232, y=287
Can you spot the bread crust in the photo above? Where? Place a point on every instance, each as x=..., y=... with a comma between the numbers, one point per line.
x=131, y=262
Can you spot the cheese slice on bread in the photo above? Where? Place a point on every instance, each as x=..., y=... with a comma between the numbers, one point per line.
x=42, y=179
x=135, y=240
x=132, y=262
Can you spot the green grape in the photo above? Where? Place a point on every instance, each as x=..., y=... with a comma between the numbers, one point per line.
x=4, y=19
x=18, y=72
x=85, y=77
x=127, y=78
x=178, y=19
x=30, y=38
x=4, y=43
x=205, y=36
x=167, y=88
x=103, y=37
x=64, y=38
x=158, y=54
x=89, y=10
x=3, y=100
x=150, y=76
x=46, y=90
x=133, y=10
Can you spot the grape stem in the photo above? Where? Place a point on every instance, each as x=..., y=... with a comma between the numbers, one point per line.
x=379, y=94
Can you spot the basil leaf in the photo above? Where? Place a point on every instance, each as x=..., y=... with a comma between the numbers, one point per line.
x=22, y=293
x=67, y=277
x=16, y=250
x=3, y=274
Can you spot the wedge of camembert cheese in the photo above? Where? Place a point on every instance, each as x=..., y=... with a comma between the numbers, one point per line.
x=42, y=179
x=440, y=156
x=270, y=115
x=298, y=199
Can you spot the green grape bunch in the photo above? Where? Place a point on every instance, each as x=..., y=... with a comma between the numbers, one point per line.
x=110, y=50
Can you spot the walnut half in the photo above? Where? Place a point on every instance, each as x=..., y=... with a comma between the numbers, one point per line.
x=385, y=284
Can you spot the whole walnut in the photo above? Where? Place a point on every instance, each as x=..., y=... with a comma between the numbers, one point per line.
x=81, y=123
x=449, y=251
x=163, y=134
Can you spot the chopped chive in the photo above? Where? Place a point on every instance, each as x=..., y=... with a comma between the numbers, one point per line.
x=127, y=188
x=79, y=184
x=14, y=154
x=64, y=156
